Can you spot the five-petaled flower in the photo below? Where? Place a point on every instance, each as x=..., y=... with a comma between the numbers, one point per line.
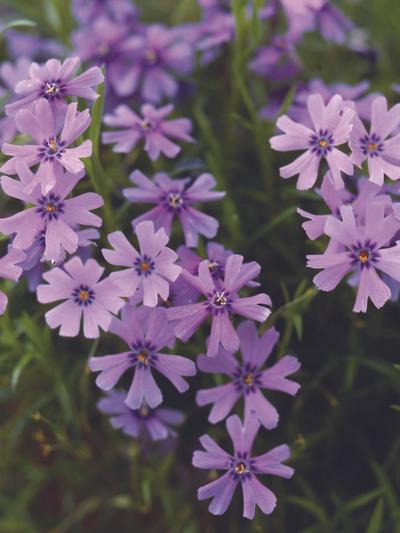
x=146, y=331
x=247, y=378
x=78, y=283
x=332, y=124
x=241, y=467
x=151, y=269
x=174, y=198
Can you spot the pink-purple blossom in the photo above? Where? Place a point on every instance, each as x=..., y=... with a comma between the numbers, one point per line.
x=241, y=468
x=10, y=268
x=247, y=378
x=221, y=301
x=152, y=268
x=151, y=127
x=146, y=332
x=175, y=199
x=85, y=295
x=332, y=124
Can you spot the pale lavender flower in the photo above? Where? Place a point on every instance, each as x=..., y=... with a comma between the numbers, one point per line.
x=241, y=468
x=381, y=150
x=53, y=216
x=221, y=301
x=10, y=269
x=278, y=61
x=363, y=248
x=146, y=332
x=247, y=378
x=151, y=128
x=154, y=58
x=332, y=23
x=87, y=11
x=78, y=283
x=152, y=268
x=139, y=423
x=175, y=198
x=52, y=148
x=332, y=125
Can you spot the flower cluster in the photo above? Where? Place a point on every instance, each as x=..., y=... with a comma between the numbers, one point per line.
x=363, y=226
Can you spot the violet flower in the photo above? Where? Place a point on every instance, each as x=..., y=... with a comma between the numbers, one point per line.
x=364, y=249
x=247, y=378
x=221, y=301
x=87, y=11
x=332, y=125
x=174, y=198
x=153, y=61
x=53, y=216
x=152, y=268
x=10, y=269
x=52, y=149
x=277, y=61
x=381, y=152
x=151, y=128
x=139, y=423
x=78, y=283
x=55, y=81
x=146, y=332
x=241, y=467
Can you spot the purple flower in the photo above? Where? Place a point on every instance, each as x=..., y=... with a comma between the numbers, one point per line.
x=139, y=423
x=333, y=24
x=152, y=128
x=221, y=301
x=381, y=152
x=10, y=269
x=86, y=11
x=362, y=249
x=53, y=216
x=331, y=127
x=241, y=468
x=55, y=81
x=247, y=378
x=278, y=61
x=78, y=283
x=174, y=198
x=146, y=332
x=52, y=148
x=151, y=59
x=152, y=268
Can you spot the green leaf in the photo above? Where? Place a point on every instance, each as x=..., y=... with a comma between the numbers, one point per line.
x=375, y=523
x=24, y=361
x=17, y=24
x=363, y=499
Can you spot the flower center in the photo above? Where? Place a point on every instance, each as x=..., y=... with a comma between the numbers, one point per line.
x=50, y=206
x=51, y=89
x=151, y=57
x=143, y=357
x=371, y=145
x=144, y=411
x=144, y=265
x=52, y=144
x=174, y=200
x=248, y=379
x=363, y=256
x=220, y=299
x=321, y=143
x=241, y=468
x=83, y=295
x=146, y=124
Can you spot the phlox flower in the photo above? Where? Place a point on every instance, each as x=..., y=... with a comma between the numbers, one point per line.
x=10, y=269
x=221, y=301
x=241, y=468
x=175, y=199
x=146, y=332
x=52, y=148
x=152, y=128
x=54, y=81
x=85, y=296
x=377, y=146
x=53, y=216
x=247, y=377
x=332, y=124
x=363, y=249
x=139, y=423
x=152, y=268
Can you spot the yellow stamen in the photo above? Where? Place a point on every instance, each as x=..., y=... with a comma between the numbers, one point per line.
x=240, y=468
x=372, y=147
x=144, y=266
x=84, y=295
x=143, y=357
x=51, y=89
x=248, y=379
x=50, y=208
x=323, y=143
x=363, y=256
x=52, y=144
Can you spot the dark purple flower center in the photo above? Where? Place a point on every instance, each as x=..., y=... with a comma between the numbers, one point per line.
x=53, y=89
x=364, y=254
x=50, y=206
x=83, y=295
x=151, y=57
x=247, y=378
x=143, y=355
x=144, y=265
x=371, y=145
x=321, y=143
x=242, y=466
x=174, y=201
x=146, y=125
x=219, y=301
x=144, y=412
x=51, y=148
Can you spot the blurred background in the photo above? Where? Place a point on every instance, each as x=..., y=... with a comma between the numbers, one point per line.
x=63, y=468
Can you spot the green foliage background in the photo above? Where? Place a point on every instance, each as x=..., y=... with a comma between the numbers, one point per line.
x=64, y=469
